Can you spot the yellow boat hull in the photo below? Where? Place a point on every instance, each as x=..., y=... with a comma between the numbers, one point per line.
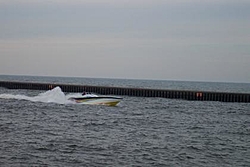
x=107, y=101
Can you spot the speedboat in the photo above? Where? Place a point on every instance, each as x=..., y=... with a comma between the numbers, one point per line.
x=89, y=98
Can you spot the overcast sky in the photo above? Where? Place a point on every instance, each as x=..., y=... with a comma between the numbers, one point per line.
x=194, y=40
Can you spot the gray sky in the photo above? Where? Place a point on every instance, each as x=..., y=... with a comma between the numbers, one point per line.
x=191, y=40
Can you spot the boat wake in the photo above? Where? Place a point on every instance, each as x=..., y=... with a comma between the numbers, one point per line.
x=56, y=95
x=51, y=96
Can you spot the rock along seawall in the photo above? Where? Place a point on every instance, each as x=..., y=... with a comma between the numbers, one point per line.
x=140, y=92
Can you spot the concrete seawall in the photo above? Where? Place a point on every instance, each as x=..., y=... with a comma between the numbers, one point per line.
x=122, y=91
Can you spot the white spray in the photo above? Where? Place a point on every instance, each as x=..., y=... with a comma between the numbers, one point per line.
x=51, y=96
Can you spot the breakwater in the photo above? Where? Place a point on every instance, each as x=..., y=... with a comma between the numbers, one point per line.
x=123, y=91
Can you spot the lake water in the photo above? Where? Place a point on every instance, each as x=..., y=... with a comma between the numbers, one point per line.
x=40, y=128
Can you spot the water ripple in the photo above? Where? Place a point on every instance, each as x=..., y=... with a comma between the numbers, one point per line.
x=139, y=132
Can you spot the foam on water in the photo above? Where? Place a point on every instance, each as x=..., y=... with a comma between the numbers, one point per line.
x=51, y=96
x=142, y=132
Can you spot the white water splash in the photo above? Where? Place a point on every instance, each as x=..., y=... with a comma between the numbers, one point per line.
x=51, y=96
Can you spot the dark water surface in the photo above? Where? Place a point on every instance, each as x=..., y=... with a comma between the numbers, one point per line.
x=138, y=132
